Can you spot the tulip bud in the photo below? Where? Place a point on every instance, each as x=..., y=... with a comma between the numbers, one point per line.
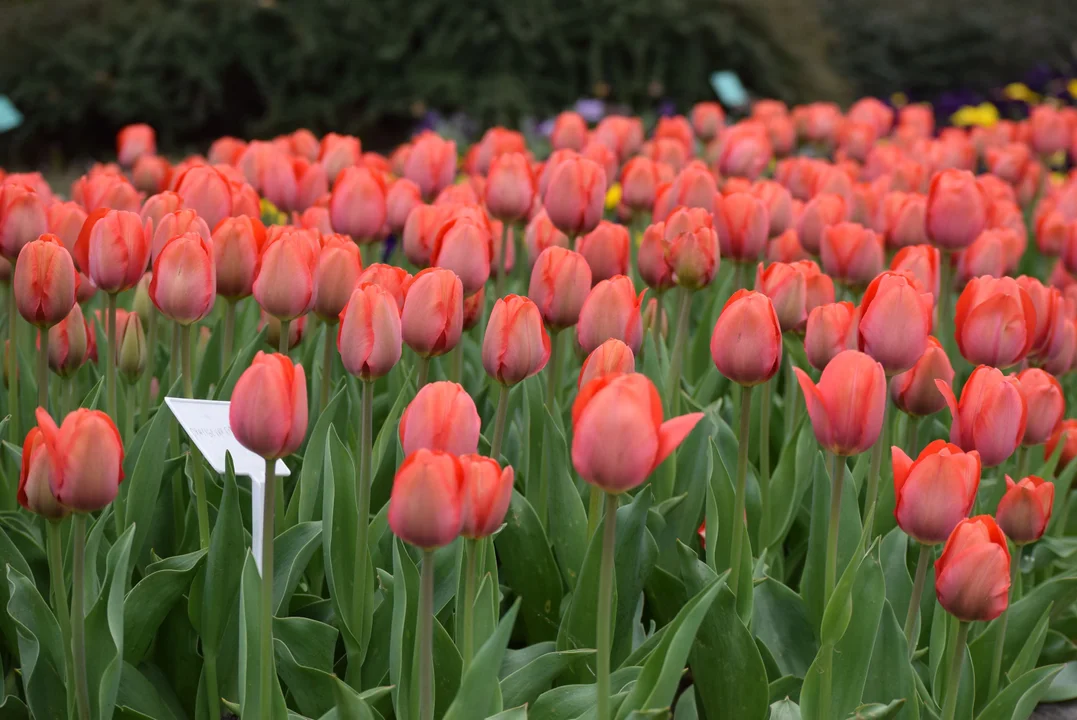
x=421, y=228
x=639, y=183
x=611, y=310
x=394, y=280
x=903, y=219
x=610, y=358
x=936, y=491
x=37, y=477
x=692, y=247
x=779, y=204
x=510, y=187
x=606, y=250
x=488, y=491
x=786, y=287
x=994, y=321
x=821, y=212
x=369, y=337
x=431, y=164
x=130, y=347
x=516, y=345
x=335, y=276
x=86, y=458
x=956, y=210
x=895, y=321
x=113, y=249
x=464, y=245
x=922, y=263
x=357, y=206
x=1025, y=509
x=852, y=254
x=284, y=285
x=1066, y=433
x=442, y=416
x=560, y=284
x=625, y=406
x=831, y=328
x=707, y=119
x=746, y=344
x=23, y=218
x=184, y=283
x=914, y=392
x=69, y=343
x=45, y=282
x=991, y=416
x=268, y=413
x=207, y=191
x=1046, y=405
x=338, y=152
x=176, y=223
x=237, y=248
x=402, y=197
x=787, y=248
x=569, y=131
x=621, y=134
x=846, y=407
x=746, y=150
x=653, y=258
x=576, y=195
x=541, y=234
x=427, y=507
x=972, y=576
x=433, y=314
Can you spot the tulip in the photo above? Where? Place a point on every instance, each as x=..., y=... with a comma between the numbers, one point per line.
x=45, y=282
x=269, y=170
x=786, y=287
x=746, y=150
x=540, y=234
x=130, y=347
x=1049, y=306
x=284, y=285
x=693, y=187
x=606, y=250
x=357, y=206
x=986, y=256
x=746, y=344
x=707, y=119
x=184, y=283
x=369, y=338
x=831, y=328
x=621, y=134
x=569, y=132
x=640, y=179
x=611, y=310
x=852, y=254
x=510, y=187
x=1065, y=433
x=819, y=214
x=401, y=198
x=395, y=280
x=1025, y=509
x=86, y=455
x=778, y=202
x=612, y=357
x=441, y=417
x=516, y=345
x=653, y=258
x=312, y=183
x=431, y=164
x=335, y=277
x=922, y=263
x=428, y=505
x=237, y=248
x=207, y=191
x=991, y=416
x=914, y=391
x=895, y=321
x=37, y=477
x=338, y=152
x=995, y=321
x=113, y=248
x=956, y=210
x=903, y=219
x=433, y=314
x=575, y=195
x=23, y=218
x=972, y=576
x=1058, y=355
x=68, y=343
x=105, y=189
x=420, y=230
x=151, y=174
x=177, y=223
x=155, y=208
x=846, y=407
x=487, y=490
x=560, y=284
x=226, y=150
x=134, y=141
x=1046, y=405
x=1048, y=129
x=743, y=227
x=268, y=412
x=936, y=491
x=786, y=248
x=464, y=245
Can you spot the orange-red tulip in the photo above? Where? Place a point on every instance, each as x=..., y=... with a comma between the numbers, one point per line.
x=237, y=249
x=852, y=254
x=846, y=407
x=45, y=282
x=36, y=479
x=113, y=248
x=821, y=212
x=991, y=416
x=103, y=188
x=787, y=248
x=433, y=314
x=338, y=152
x=268, y=413
x=391, y=278
x=921, y=262
x=184, y=284
x=936, y=491
x=786, y=286
x=831, y=328
x=746, y=344
x=972, y=576
x=442, y=416
x=914, y=391
x=357, y=206
x=510, y=187
x=207, y=191
x=86, y=457
x=431, y=164
x=569, y=132
x=151, y=174
x=428, y=504
x=134, y=141
x=623, y=135
x=1046, y=404
x=488, y=491
x=956, y=210
x=1025, y=509
x=69, y=343
x=464, y=245
x=1065, y=433
x=895, y=321
x=23, y=218
x=746, y=150
x=560, y=284
x=779, y=204
x=576, y=195
x=610, y=358
x=284, y=285
x=541, y=234
x=995, y=321
x=516, y=345
x=401, y=198
x=611, y=310
x=335, y=276
x=707, y=119
x=176, y=223
x=653, y=258
x=743, y=225
x=155, y=208
x=369, y=338
x=606, y=250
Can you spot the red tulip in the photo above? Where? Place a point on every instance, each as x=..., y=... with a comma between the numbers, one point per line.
x=640, y=179
x=357, y=206
x=497, y=141
x=786, y=286
x=986, y=256
x=151, y=174
x=23, y=218
x=464, y=245
x=745, y=150
x=433, y=314
x=956, y=210
x=134, y=141
x=442, y=416
x=431, y=164
x=936, y=491
x=903, y=218
x=852, y=254
x=237, y=249
x=707, y=119
x=831, y=328
x=113, y=248
x=560, y=284
x=611, y=310
x=269, y=170
x=995, y=321
x=693, y=187
x=105, y=189
x=488, y=490
x=1048, y=130
x=1025, y=509
x=207, y=191
x=516, y=345
x=226, y=150
x=510, y=187
x=653, y=258
x=184, y=284
x=972, y=576
x=284, y=286
x=991, y=416
x=846, y=407
x=1066, y=433
x=177, y=223
x=268, y=413
x=541, y=234
x=821, y=212
x=369, y=338
x=921, y=262
x=624, y=406
x=746, y=344
x=787, y=248
x=335, y=276
x=45, y=282
x=395, y=280
x=610, y=358
x=69, y=343
x=1046, y=404
x=623, y=135
x=428, y=505
x=779, y=204
x=86, y=458
x=339, y=152
x=155, y=208
x=895, y=321
x=569, y=132
x=914, y=391
x=743, y=227
x=37, y=478
x=576, y=195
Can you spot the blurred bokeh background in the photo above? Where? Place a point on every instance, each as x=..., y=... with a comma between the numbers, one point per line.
x=78, y=70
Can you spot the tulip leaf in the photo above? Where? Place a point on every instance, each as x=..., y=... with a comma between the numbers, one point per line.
x=105, y=626
x=152, y=598
x=10, y=556
x=41, y=648
x=890, y=674
x=304, y=654
x=780, y=620
x=792, y=477
x=787, y=686
x=529, y=568
x=1019, y=699
x=568, y=519
x=720, y=515
x=350, y=705
x=525, y=684
x=516, y=713
x=306, y=504
x=447, y=668
x=966, y=696
x=250, y=653
x=726, y=665
x=785, y=710
x=1064, y=686
x=144, y=479
x=239, y=364
x=402, y=645
x=878, y=711
x=292, y=550
x=209, y=370
x=139, y=698
x=1030, y=651
x=573, y=701
x=389, y=432
x=480, y=682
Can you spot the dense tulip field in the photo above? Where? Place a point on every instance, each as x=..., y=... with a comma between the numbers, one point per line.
x=726, y=418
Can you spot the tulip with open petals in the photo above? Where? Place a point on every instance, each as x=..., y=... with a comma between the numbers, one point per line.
x=1025, y=509
x=628, y=407
x=936, y=491
x=991, y=416
x=442, y=416
x=846, y=407
x=746, y=344
x=428, y=504
x=433, y=314
x=972, y=576
x=516, y=345
x=611, y=310
x=86, y=455
x=268, y=413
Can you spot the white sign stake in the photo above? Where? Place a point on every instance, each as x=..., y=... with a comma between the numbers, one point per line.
x=206, y=423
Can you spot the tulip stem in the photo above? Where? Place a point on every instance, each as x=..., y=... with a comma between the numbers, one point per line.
x=55, y=544
x=13, y=365
x=946, y=282
x=472, y=551
x=266, y=645
x=43, y=369
x=456, y=361
x=913, y=613
x=78, y=615
x=110, y=364
x=673, y=383
x=282, y=341
x=196, y=457
x=1022, y=463
x=426, y=637
x=129, y=416
x=764, y=464
x=229, y=332
x=875, y=472
x=151, y=365
x=327, y=365
x=553, y=379
x=656, y=323
x=499, y=422
x=594, y=511
x=739, y=529
x=912, y=431
x=499, y=282
x=831, y=571
x=957, y=658
x=1000, y=641
x=605, y=594
x=790, y=407
x=363, y=480
x=423, y=368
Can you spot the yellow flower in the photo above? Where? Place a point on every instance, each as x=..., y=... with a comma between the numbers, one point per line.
x=982, y=115
x=613, y=196
x=1072, y=87
x=899, y=99
x=1022, y=92
x=1058, y=178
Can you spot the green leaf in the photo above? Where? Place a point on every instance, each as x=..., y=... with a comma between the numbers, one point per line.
x=790, y=480
x=350, y=705
x=725, y=662
x=787, y=686
x=292, y=550
x=146, y=606
x=304, y=655
x=785, y=710
x=657, y=683
x=568, y=519
x=240, y=362
x=780, y=620
x=388, y=432
x=720, y=508
x=890, y=675
x=104, y=629
x=250, y=663
x=573, y=701
x=41, y=650
x=966, y=695
x=528, y=567
x=878, y=711
x=480, y=681
x=209, y=370
x=402, y=645
x=523, y=685
x=516, y=713
x=1030, y=651
x=1064, y=686
x=1019, y=699
x=448, y=666
x=139, y=697
x=307, y=501
x=340, y=521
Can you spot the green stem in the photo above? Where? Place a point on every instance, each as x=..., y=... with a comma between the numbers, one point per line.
x=327, y=365
x=499, y=282
x=946, y=332
x=201, y=505
x=673, y=382
x=426, y=637
x=912, y=431
x=739, y=529
x=789, y=398
x=78, y=615
x=605, y=595
x=553, y=379
x=229, y=332
x=764, y=463
x=957, y=657
x=55, y=544
x=423, y=369
x=456, y=362
x=266, y=625
x=594, y=511
x=69, y=402
x=13, y=365
x=831, y=572
x=914, y=600
x=1000, y=641
x=499, y=422
x=151, y=366
x=213, y=695
x=1022, y=463
x=129, y=416
x=110, y=364
x=656, y=324
x=43, y=369
x=363, y=480
x=875, y=471
x=469, y=602
x=282, y=341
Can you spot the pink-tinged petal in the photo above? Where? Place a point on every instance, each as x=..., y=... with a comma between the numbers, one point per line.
x=817, y=410
x=672, y=433
x=951, y=402
x=902, y=464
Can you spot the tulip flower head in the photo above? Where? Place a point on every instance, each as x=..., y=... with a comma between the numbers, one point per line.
x=1025, y=509
x=37, y=478
x=611, y=310
x=846, y=407
x=433, y=314
x=516, y=345
x=488, y=491
x=427, y=507
x=831, y=328
x=369, y=337
x=994, y=322
x=895, y=321
x=86, y=458
x=442, y=416
x=45, y=282
x=991, y=416
x=184, y=284
x=746, y=344
x=1046, y=404
x=972, y=576
x=610, y=358
x=268, y=412
x=936, y=491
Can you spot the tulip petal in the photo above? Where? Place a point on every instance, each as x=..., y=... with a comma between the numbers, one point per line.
x=672, y=432
x=817, y=410
x=902, y=464
x=951, y=402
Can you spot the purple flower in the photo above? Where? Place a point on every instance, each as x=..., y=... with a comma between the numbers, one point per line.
x=591, y=109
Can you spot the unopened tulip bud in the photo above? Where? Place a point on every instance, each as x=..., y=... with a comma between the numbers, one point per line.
x=433, y=314
x=510, y=187
x=936, y=491
x=606, y=249
x=177, y=223
x=956, y=210
x=130, y=347
x=852, y=254
x=785, y=285
x=831, y=328
x=369, y=338
x=402, y=197
x=821, y=212
x=184, y=282
x=36, y=479
x=994, y=321
x=464, y=245
x=746, y=344
x=393, y=279
x=69, y=343
x=972, y=576
x=576, y=195
x=237, y=249
x=653, y=258
x=45, y=282
x=1025, y=509
x=431, y=164
x=991, y=416
x=692, y=247
x=893, y=301
x=560, y=284
x=516, y=345
x=1046, y=404
x=540, y=234
x=610, y=358
x=569, y=131
x=113, y=249
x=611, y=310
x=23, y=218
x=336, y=275
x=284, y=285
x=488, y=491
x=268, y=412
x=442, y=416
x=920, y=261
x=427, y=507
x=846, y=407
x=914, y=391
x=86, y=455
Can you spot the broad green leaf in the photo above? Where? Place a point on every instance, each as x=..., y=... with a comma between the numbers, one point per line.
x=787, y=686
x=241, y=362
x=480, y=681
x=721, y=502
x=573, y=701
x=306, y=502
x=890, y=675
x=144, y=479
x=785, y=710
x=152, y=598
x=780, y=620
x=727, y=446
x=528, y=567
x=304, y=655
x=139, y=697
x=250, y=684
x=790, y=480
x=340, y=519
x=1064, y=686
x=349, y=704
x=402, y=644
x=1030, y=651
x=516, y=713
x=525, y=684
x=41, y=652
x=878, y=711
x=209, y=370
x=292, y=550
x=104, y=629
x=568, y=519
x=447, y=669
x=1017, y=700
